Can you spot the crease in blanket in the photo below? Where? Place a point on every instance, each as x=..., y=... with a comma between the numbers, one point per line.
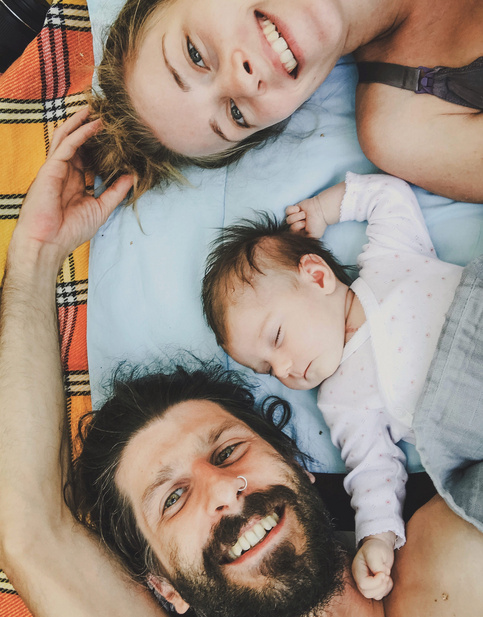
x=448, y=423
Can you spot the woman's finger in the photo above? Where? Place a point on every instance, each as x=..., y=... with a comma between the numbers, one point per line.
x=71, y=124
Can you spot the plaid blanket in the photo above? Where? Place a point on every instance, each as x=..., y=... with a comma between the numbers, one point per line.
x=37, y=93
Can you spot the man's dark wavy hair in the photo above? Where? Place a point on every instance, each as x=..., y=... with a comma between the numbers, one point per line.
x=237, y=256
x=137, y=400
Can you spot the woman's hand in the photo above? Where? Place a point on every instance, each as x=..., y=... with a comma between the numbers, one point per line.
x=372, y=565
x=58, y=212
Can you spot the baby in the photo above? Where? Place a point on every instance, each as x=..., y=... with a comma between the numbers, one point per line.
x=280, y=303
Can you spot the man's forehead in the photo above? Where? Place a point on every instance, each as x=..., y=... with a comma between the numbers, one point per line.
x=183, y=430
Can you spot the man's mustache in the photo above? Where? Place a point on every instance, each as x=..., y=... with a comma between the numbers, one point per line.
x=262, y=503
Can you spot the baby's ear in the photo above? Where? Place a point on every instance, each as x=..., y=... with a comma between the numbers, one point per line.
x=165, y=589
x=318, y=271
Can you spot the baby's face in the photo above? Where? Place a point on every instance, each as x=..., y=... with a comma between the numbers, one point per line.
x=290, y=325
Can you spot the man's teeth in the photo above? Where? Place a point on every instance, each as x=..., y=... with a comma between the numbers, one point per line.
x=253, y=536
x=279, y=45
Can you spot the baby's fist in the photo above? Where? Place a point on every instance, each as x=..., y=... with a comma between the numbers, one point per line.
x=372, y=565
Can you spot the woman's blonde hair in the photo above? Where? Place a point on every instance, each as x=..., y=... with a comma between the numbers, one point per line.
x=126, y=144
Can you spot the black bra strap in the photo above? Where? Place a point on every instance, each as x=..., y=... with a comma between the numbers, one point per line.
x=462, y=85
x=397, y=75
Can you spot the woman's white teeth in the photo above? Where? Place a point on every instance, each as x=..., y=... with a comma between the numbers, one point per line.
x=253, y=536
x=279, y=45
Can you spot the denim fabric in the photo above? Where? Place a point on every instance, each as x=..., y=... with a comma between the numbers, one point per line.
x=448, y=423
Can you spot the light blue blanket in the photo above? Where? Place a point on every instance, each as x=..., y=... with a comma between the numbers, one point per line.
x=144, y=283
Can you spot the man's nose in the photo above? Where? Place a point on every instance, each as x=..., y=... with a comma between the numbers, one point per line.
x=220, y=488
x=244, y=77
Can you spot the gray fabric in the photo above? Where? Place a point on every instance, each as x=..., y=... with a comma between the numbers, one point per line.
x=448, y=423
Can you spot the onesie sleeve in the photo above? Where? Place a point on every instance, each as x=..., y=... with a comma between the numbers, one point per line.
x=377, y=474
x=388, y=204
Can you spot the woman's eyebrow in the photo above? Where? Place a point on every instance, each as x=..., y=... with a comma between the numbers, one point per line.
x=216, y=129
x=176, y=76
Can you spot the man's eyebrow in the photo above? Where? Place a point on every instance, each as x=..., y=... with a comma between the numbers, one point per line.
x=176, y=76
x=215, y=434
x=164, y=475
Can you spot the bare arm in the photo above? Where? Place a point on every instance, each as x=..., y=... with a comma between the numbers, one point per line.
x=422, y=139
x=438, y=571
x=55, y=564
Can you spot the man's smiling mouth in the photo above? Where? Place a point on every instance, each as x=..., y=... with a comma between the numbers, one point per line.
x=279, y=45
x=253, y=536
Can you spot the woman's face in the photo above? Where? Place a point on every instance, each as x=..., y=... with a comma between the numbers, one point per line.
x=209, y=73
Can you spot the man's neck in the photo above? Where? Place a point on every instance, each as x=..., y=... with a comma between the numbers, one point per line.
x=350, y=603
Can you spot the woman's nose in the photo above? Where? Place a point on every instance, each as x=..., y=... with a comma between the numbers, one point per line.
x=246, y=79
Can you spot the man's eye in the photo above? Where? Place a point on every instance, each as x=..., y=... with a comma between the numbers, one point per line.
x=224, y=454
x=237, y=115
x=195, y=54
x=173, y=498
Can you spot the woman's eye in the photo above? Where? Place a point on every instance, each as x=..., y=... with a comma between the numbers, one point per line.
x=237, y=115
x=195, y=55
x=173, y=498
x=224, y=454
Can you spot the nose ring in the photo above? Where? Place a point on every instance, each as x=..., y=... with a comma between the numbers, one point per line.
x=245, y=485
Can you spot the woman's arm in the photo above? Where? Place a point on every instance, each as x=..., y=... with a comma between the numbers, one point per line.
x=56, y=565
x=422, y=139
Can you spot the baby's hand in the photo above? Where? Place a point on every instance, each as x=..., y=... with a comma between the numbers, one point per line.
x=307, y=217
x=372, y=565
x=312, y=216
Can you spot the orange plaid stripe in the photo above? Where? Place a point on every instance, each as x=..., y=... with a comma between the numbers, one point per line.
x=37, y=93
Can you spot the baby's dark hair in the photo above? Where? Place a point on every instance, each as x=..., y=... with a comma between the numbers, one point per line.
x=250, y=247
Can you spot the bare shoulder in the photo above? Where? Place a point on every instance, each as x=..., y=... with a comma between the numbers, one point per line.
x=438, y=572
x=422, y=139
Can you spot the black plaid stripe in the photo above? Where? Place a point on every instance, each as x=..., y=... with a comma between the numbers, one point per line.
x=10, y=206
x=72, y=16
x=76, y=383
x=72, y=293
x=13, y=111
x=6, y=586
x=58, y=56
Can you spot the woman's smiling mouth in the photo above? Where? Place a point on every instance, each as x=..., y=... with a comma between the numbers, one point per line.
x=278, y=44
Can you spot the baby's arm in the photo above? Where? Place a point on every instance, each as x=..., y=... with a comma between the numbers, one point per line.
x=372, y=565
x=312, y=216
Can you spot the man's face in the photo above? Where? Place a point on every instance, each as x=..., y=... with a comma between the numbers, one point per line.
x=181, y=474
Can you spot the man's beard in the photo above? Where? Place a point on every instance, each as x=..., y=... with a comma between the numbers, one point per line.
x=294, y=584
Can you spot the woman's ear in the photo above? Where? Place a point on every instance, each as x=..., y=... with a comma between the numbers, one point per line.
x=316, y=268
x=169, y=593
